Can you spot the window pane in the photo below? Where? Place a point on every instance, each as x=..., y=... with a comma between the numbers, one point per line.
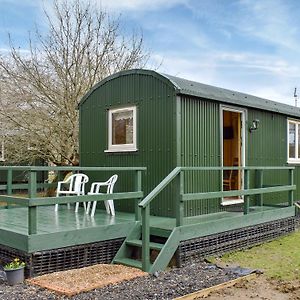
x=292, y=140
x=122, y=127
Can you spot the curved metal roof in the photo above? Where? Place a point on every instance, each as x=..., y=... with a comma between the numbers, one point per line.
x=204, y=91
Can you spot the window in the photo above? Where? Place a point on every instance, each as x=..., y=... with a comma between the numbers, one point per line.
x=122, y=129
x=293, y=141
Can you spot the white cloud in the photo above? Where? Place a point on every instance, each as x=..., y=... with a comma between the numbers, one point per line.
x=269, y=77
x=269, y=64
x=202, y=70
x=272, y=21
x=140, y=5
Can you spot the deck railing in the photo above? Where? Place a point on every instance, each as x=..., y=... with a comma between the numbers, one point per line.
x=32, y=201
x=181, y=197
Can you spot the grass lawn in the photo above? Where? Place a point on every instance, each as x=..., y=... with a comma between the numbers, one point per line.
x=279, y=259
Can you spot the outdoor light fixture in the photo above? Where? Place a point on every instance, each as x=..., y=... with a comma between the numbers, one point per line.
x=255, y=125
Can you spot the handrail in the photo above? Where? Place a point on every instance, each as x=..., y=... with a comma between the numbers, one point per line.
x=233, y=193
x=46, y=201
x=182, y=197
x=233, y=168
x=69, y=168
x=32, y=201
x=159, y=187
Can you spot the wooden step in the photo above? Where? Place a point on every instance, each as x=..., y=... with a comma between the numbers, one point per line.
x=160, y=232
x=128, y=262
x=138, y=243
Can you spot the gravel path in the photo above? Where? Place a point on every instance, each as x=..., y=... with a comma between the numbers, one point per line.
x=165, y=285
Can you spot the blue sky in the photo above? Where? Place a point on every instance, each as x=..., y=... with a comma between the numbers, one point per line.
x=251, y=46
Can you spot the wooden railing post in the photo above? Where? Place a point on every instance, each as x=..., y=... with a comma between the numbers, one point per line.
x=246, y=187
x=138, y=188
x=179, y=181
x=291, y=182
x=146, y=238
x=9, y=182
x=259, y=184
x=32, y=210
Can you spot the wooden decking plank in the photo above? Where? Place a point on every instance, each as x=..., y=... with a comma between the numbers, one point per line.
x=65, y=223
x=14, y=239
x=54, y=240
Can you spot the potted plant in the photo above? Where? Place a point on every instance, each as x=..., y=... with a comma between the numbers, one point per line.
x=14, y=271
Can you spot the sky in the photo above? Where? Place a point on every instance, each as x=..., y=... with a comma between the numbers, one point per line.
x=251, y=46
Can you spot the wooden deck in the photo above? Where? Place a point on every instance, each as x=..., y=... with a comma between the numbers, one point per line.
x=31, y=225
x=67, y=228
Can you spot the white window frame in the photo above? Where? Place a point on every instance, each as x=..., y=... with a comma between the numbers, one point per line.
x=122, y=147
x=295, y=160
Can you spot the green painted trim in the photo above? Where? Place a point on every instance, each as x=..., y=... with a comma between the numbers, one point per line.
x=138, y=188
x=32, y=184
x=39, y=242
x=139, y=244
x=178, y=130
x=291, y=182
x=86, y=198
x=14, y=240
x=216, y=226
x=167, y=252
x=259, y=182
x=32, y=220
x=15, y=200
x=234, y=168
x=35, y=168
x=179, y=203
x=18, y=186
x=160, y=232
x=9, y=181
x=211, y=195
x=246, y=186
x=159, y=187
x=45, y=201
x=146, y=238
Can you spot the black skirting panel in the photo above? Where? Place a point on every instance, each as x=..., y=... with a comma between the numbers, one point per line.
x=48, y=261
x=198, y=248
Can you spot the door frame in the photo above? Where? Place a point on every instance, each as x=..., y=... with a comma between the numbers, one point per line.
x=243, y=113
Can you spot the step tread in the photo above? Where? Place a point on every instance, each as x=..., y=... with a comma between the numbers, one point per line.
x=128, y=262
x=160, y=232
x=138, y=243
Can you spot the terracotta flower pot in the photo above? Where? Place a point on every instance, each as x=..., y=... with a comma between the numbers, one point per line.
x=14, y=276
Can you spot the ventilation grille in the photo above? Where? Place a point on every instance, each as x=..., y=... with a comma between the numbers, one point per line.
x=233, y=240
x=62, y=259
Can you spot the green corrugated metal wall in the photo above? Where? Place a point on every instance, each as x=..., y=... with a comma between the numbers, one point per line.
x=200, y=141
x=200, y=138
x=156, y=137
x=267, y=146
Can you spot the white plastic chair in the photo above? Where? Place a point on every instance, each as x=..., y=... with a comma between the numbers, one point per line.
x=95, y=189
x=76, y=188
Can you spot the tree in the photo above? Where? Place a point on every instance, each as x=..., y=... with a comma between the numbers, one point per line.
x=41, y=88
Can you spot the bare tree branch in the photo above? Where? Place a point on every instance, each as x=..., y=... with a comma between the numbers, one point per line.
x=40, y=90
